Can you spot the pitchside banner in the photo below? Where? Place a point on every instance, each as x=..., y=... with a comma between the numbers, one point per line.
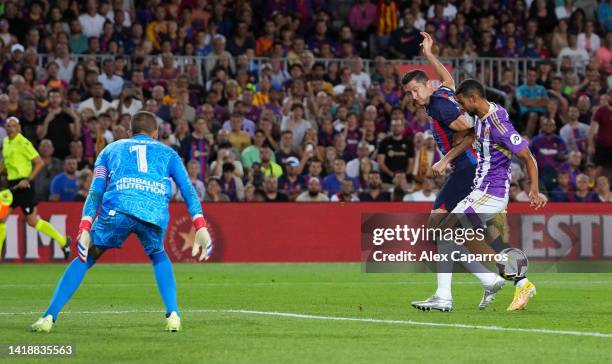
x=560, y=242
x=322, y=232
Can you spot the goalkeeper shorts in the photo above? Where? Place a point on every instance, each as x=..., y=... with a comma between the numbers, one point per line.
x=111, y=228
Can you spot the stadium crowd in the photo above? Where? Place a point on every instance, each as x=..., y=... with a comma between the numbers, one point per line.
x=296, y=126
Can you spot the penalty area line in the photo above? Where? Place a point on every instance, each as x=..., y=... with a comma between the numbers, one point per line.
x=345, y=319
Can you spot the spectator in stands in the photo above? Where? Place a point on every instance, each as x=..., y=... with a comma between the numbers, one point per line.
x=29, y=119
x=295, y=123
x=404, y=43
x=96, y=102
x=313, y=193
x=583, y=194
x=563, y=189
x=532, y=99
x=64, y=62
x=395, y=152
x=425, y=194
x=252, y=154
x=375, y=191
x=345, y=194
x=76, y=152
x=363, y=151
x=600, y=137
x=549, y=150
x=84, y=182
x=214, y=192
x=426, y=155
x=128, y=102
x=268, y=166
x=237, y=137
x=271, y=193
x=574, y=133
x=603, y=189
x=292, y=183
x=589, y=40
x=231, y=185
x=197, y=146
x=193, y=171
x=51, y=168
x=333, y=182
x=60, y=125
x=64, y=185
x=579, y=56
x=92, y=22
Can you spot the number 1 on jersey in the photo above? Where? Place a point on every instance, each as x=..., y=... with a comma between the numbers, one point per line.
x=141, y=157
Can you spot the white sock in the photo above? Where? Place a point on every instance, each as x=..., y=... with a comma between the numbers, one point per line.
x=520, y=283
x=486, y=279
x=444, y=286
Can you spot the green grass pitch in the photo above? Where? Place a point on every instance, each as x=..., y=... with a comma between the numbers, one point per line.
x=116, y=316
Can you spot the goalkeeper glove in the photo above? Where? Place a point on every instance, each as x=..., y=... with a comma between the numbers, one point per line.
x=84, y=239
x=202, y=239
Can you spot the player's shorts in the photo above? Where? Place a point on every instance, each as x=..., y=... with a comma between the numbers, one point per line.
x=23, y=197
x=111, y=228
x=479, y=207
x=456, y=188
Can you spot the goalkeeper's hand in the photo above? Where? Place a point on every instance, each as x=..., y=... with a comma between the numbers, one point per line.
x=84, y=239
x=202, y=239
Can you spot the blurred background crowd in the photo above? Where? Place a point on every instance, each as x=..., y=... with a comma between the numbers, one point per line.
x=278, y=100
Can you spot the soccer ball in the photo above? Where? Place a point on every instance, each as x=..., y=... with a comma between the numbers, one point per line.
x=515, y=265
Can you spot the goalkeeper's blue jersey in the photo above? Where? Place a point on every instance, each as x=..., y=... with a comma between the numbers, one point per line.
x=133, y=176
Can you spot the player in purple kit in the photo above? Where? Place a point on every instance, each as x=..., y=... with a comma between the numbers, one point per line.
x=453, y=132
x=497, y=142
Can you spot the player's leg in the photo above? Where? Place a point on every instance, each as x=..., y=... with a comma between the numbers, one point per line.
x=442, y=299
x=66, y=287
x=108, y=231
x=46, y=228
x=524, y=289
x=474, y=211
x=152, y=239
x=456, y=188
x=3, y=231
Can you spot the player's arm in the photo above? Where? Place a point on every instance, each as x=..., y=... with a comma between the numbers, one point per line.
x=535, y=198
x=504, y=133
x=441, y=71
x=92, y=203
x=202, y=237
x=466, y=137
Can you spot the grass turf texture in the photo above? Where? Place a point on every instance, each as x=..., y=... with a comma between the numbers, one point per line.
x=569, y=302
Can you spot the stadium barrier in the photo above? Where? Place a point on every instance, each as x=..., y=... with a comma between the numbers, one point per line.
x=294, y=232
x=487, y=70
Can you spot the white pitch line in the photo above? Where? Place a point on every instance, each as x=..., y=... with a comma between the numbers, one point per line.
x=223, y=284
x=340, y=318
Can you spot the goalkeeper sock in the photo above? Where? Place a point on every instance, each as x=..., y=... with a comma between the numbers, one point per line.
x=2, y=236
x=162, y=267
x=48, y=229
x=498, y=244
x=68, y=284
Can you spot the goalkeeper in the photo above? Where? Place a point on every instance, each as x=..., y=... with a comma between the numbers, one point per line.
x=132, y=185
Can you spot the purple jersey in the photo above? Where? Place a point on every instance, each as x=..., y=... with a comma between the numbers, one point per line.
x=497, y=140
x=443, y=110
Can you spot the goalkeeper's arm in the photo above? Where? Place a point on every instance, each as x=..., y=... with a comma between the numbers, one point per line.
x=202, y=239
x=94, y=197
